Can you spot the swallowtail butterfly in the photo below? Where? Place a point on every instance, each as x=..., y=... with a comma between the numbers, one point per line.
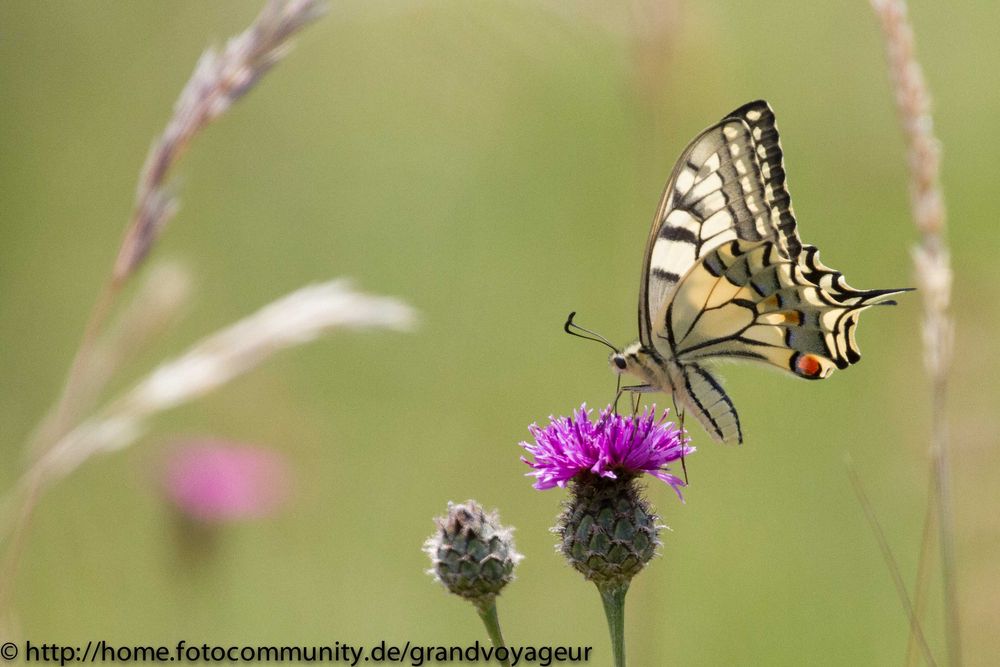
x=726, y=277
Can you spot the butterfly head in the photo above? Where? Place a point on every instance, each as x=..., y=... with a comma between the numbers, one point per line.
x=618, y=362
x=626, y=361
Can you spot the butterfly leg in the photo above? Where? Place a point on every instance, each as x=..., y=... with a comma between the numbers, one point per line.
x=680, y=422
x=635, y=390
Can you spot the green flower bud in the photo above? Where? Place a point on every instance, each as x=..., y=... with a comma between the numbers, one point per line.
x=471, y=553
x=608, y=531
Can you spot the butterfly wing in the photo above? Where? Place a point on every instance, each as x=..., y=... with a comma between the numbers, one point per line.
x=728, y=184
x=726, y=276
x=747, y=301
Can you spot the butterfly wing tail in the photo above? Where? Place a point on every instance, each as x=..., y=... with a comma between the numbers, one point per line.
x=837, y=297
x=704, y=397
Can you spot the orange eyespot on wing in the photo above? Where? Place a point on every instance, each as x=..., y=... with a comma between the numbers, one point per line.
x=807, y=366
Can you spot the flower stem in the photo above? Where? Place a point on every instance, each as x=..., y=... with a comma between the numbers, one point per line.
x=488, y=612
x=613, y=596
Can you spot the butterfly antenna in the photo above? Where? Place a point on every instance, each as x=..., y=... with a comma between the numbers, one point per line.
x=594, y=336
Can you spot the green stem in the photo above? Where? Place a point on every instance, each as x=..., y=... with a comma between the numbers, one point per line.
x=488, y=612
x=613, y=596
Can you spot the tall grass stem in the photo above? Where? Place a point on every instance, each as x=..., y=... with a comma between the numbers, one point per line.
x=890, y=560
x=933, y=275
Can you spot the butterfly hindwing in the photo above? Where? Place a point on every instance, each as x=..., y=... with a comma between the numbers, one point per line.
x=748, y=301
x=728, y=184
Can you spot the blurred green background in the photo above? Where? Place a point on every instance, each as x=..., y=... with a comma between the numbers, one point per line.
x=496, y=164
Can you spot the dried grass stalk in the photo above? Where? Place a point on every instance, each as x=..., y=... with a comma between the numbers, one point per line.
x=62, y=442
x=293, y=320
x=219, y=79
x=155, y=306
x=933, y=271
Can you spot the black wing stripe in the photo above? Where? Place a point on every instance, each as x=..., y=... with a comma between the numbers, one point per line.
x=675, y=233
x=666, y=275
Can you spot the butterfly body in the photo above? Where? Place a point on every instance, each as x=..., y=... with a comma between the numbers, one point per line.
x=669, y=376
x=726, y=277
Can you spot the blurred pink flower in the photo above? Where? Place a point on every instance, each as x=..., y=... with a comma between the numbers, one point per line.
x=217, y=481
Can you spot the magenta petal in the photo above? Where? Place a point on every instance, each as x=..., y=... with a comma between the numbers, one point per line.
x=612, y=444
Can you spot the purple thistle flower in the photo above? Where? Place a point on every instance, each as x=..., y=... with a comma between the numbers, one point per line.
x=612, y=445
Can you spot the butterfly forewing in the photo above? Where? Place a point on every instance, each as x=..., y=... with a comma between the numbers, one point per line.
x=728, y=184
x=759, y=117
